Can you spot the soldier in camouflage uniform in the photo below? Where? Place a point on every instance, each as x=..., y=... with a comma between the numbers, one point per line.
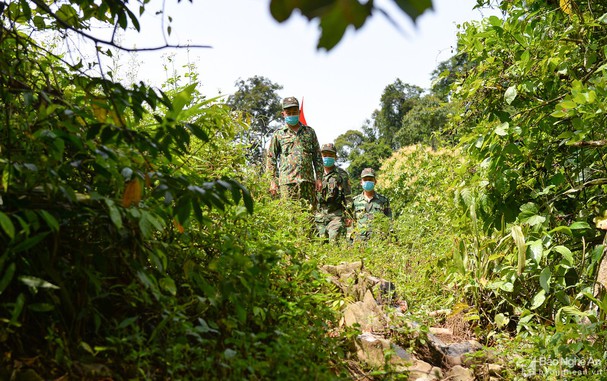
x=334, y=212
x=294, y=160
x=367, y=204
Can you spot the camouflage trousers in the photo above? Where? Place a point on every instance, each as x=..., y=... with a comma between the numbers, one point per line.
x=305, y=191
x=330, y=227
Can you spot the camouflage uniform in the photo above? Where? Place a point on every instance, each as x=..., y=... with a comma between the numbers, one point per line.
x=365, y=209
x=296, y=158
x=334, y=204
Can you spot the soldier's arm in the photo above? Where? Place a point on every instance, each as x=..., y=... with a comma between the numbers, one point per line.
x=387, y=209
x=347, y=189
x=272, y=159
x=316, y=156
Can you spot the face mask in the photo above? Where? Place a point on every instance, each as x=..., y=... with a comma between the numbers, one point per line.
x=292, y=119
x=328, y=161
x=368, y=185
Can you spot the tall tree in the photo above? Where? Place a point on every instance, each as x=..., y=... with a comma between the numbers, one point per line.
x=396, y=101
x=360, y=149
x=258, y=100
x=424, y=123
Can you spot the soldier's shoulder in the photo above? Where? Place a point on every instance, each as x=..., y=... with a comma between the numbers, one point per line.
x=343, y=172
x=308, y=129
x=358, y=197
x=278, y=132
x=381, y=197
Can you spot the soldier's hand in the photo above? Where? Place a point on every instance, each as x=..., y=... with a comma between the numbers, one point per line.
x=318, y=185
x=273, y=188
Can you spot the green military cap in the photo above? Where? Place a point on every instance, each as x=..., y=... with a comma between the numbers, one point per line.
x=367, y=172
x=329, y=147
x=290, y=102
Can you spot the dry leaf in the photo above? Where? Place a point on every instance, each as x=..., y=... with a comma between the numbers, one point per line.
x=132, y=193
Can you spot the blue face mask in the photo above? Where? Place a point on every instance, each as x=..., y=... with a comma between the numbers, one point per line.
x=328, y=161
x=368, y=185
x=292, y=119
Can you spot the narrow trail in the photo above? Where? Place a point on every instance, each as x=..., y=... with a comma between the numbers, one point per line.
x=388, y=340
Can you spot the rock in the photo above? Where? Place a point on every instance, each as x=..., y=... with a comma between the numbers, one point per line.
x=439, y=313
x=366, y=313
x=453, y=360
x=440, y=331
x=495, y=370
x=421, y=371
x=459, y=373
x=372, y=349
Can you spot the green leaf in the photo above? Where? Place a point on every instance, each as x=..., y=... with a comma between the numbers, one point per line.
x=168, y=284
x=567, y=105
x=519, y=240
x=507, y=286
x=333, y=26
x=414, y=8
x=535, y=220
x=545, y=276
x=7, y=225
x=127, y=322
x=502, y=129
x=29, y=242
x=579, y=225
x=510, y=94
x=7, y=276
x=281, y=10
x=115, y=215
x=561, y=229
x=50, y=220
x=565, y=252
x=536, y=248
x=538, y=299
x=41, y=307
x=17, y=309
x=35, y=282
x=501, y=320
x=26, y=10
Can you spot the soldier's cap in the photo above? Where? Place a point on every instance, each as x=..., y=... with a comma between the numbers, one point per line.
x=367, y=172
x=328, y=147
x=290, y=102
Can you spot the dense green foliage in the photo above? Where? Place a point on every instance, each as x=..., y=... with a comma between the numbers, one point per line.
x=128, y=248
x=534, y=126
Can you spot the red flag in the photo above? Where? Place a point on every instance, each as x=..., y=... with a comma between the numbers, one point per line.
x=302, y=118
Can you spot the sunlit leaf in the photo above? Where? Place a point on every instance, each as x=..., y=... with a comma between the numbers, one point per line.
x=36, y=282
x=566, y=6
x=579, y=225
x=519, y=239
x=510, y=94
x=538, y=299
x=565, y=252
x=545, y=276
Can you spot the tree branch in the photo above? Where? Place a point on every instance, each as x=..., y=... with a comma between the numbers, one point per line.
x=96, y=40
x=590, y=143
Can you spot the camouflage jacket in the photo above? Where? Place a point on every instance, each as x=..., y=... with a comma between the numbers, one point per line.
x=335, y=198
x=364, y=209
x=296, y=156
